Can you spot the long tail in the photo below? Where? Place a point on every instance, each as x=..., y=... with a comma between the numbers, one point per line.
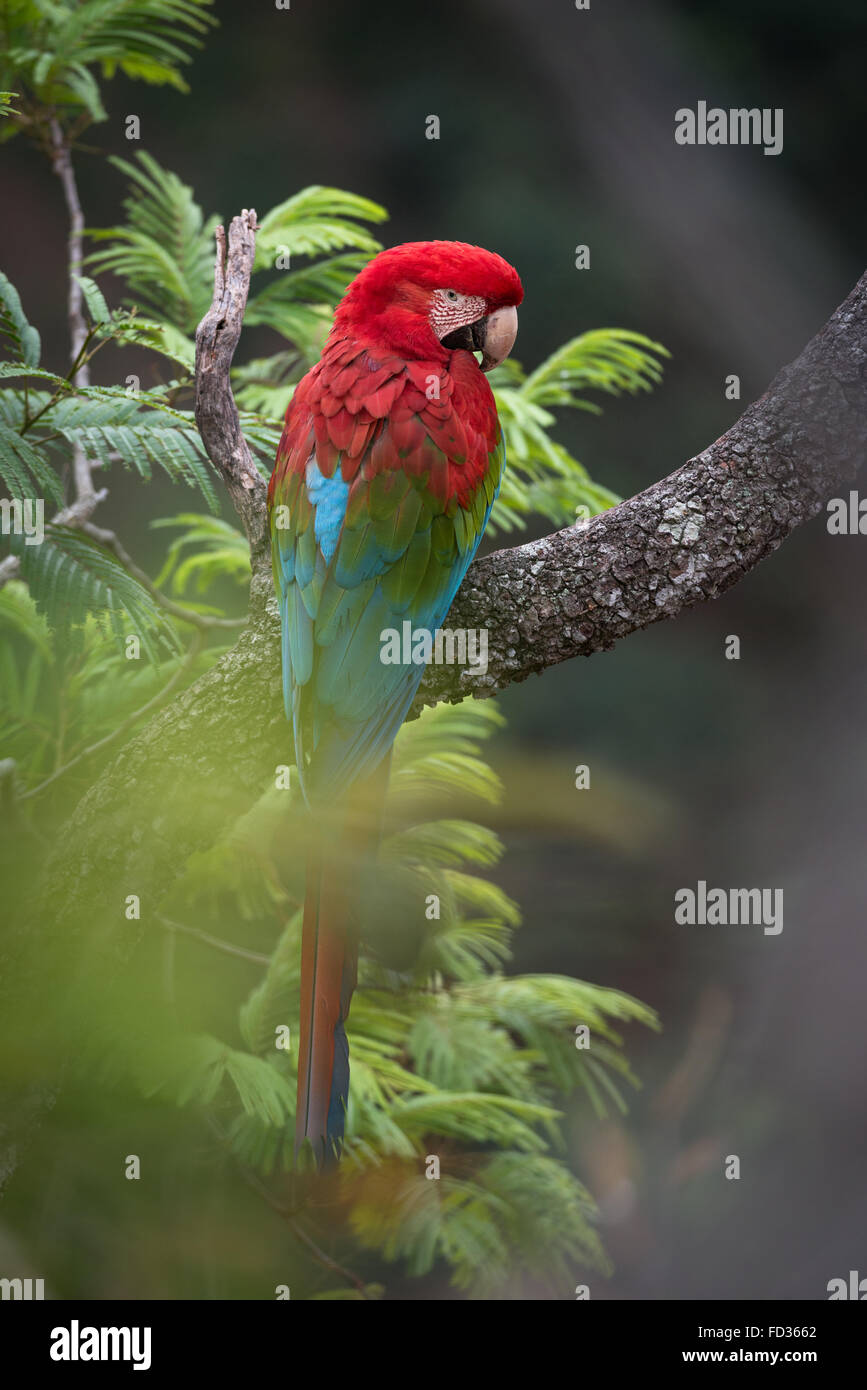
x=341, y=856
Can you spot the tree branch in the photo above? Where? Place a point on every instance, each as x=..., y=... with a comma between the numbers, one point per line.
x=685, y=539
x=62, y=160
x=216, y=413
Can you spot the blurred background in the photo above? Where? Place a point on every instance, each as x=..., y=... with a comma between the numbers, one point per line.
x=557, y=129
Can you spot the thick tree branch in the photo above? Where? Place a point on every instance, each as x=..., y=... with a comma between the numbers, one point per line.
x=685, y=539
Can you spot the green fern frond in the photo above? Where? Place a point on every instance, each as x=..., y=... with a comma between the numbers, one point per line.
x=298, y=304
x=542, y=476
x=94, y=299
x=165, y=252
x=613, y=360
x=495, y=1223
x=458, y=1053
x=71, y=575
x=476, y=1116
x=317, y=221
x=145, y=441
x=266, y=385
x=24, y=470
x=544, y=1011
x=195, y=1069
x=20, y=336
x=219, y=550
x=323, y=282
x=53, y=47
x=443, y=843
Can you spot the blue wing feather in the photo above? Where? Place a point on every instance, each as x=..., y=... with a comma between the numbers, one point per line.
x=345, y=705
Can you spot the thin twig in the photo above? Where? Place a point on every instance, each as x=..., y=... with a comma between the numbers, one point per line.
x=131, y=719
x=289, y=1217
x=78, y=330
x=218, y=945
x=66, y=381
x=200, y=620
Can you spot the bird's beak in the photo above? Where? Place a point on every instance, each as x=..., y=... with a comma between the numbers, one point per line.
x=494, y=336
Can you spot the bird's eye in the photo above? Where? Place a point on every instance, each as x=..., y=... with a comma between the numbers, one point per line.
x=452, y=295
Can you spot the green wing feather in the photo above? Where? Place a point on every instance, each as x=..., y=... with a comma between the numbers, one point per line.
x=401, y=554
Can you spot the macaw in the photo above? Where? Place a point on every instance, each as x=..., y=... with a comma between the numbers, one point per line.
x=388, y=466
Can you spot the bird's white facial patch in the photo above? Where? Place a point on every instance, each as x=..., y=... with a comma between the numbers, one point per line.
x=450, y=310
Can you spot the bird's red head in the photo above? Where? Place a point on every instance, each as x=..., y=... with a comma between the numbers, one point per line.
x=426, y=298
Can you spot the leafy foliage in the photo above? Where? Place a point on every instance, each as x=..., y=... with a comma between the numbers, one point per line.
x=71, y=575
x=207, y=549
x=542, y=476
x=20, y=336
x=50, y=51
x=166, y=250
x=58, y=699
x=512, y=1209
x=452, y=1056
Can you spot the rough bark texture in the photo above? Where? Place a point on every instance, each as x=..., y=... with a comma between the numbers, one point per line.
x=686, y=538
x=216, y=413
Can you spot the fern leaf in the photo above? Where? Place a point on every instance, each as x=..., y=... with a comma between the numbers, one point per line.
x=315, y=221
x=14, y=327
x=70, y=575
x=23, y=467
x=165, y=252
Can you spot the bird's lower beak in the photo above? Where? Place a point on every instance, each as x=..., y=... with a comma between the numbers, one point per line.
x=494, y=336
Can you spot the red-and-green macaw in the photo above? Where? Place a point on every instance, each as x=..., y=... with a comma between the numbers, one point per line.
x=389, y=463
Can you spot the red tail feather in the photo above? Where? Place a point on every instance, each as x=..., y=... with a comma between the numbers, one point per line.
x=336, y=868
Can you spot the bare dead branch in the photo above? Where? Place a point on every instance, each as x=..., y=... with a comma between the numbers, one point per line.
x=216, y=413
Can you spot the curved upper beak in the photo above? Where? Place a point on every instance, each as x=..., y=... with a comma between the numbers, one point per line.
x=495, y=336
